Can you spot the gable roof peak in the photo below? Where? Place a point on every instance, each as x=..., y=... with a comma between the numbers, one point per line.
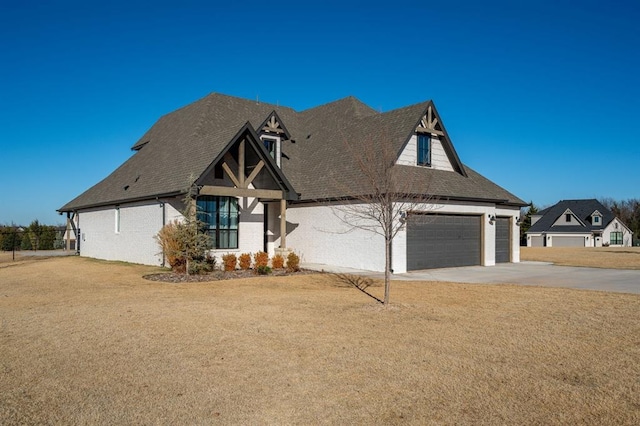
x=349, y=104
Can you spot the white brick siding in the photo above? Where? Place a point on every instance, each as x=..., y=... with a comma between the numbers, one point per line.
x=319, y=236
x=134, y=243
x=140, y=222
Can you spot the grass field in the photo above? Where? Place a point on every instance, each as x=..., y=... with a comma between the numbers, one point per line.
x=91, y=342
x=594, y=257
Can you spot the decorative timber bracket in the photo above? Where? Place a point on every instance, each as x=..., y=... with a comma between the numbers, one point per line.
x=429, y=124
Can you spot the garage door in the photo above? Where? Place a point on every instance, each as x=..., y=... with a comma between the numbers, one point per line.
x=567, y=241
x=503, y=240
x=441, y=241
x=537, y=241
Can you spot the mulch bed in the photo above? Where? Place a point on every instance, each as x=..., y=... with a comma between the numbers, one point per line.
x=172, y=277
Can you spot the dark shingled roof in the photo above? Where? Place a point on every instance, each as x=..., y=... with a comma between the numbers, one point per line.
x=181, y=145
x=583, y=209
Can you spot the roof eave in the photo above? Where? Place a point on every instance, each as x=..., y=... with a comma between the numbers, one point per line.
x=65, y=209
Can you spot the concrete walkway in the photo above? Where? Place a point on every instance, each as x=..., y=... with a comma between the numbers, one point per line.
x=525, y=273
x=45, y=253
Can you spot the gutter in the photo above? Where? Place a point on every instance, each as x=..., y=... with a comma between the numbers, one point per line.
x=113, y=202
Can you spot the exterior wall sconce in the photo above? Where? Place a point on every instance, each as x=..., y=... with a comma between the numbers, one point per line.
x=403, y=217
x=518, y=221
x=492, y=219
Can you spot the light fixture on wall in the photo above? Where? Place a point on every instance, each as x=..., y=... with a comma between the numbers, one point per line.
x=403, y=217
x=492, y=219
x=518, y=221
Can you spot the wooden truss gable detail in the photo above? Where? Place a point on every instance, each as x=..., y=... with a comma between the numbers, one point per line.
x=273, y=125
x=249, y=168
x=240, y=180
x=429, y=123
x=247, y=139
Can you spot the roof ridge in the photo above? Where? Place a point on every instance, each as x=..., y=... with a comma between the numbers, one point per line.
x=257, y=101
x=349, y=98
x=415, y=105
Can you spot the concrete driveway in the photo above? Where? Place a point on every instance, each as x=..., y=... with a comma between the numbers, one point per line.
x=537, y=273
x=525, y=273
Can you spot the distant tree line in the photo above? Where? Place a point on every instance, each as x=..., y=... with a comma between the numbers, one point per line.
x=628, y=211
x=34, y=237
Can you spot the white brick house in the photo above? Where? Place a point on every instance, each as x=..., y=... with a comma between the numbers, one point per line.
x=577, y=223
x=269, y=177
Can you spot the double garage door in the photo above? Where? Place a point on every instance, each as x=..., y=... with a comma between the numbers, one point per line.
x=443, y=241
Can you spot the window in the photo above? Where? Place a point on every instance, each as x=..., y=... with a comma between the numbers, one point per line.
x=615, y=238
x=270, y=144
x=424, y=150
x=596, y=219
x=567, y=217
x=220, y=216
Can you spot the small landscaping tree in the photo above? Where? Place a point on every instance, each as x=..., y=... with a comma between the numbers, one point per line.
x=386, y=192
x=184, y=241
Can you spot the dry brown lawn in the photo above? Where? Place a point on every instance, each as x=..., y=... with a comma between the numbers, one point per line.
x=594, y=257
x=90, y=342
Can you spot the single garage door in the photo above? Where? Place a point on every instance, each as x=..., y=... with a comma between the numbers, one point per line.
x=567, y=241
x=441, y=241
x=503, y=240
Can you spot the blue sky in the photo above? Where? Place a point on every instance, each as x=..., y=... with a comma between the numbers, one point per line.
x=541, y=97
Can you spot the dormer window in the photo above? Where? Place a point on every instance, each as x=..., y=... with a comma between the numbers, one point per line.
x=596, y=218
x=424, y=150
x=272, y=145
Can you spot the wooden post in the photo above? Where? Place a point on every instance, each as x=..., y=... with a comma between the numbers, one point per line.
x=283, y=223
x=241, y=175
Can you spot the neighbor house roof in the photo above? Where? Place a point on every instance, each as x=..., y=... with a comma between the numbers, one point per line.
x=582, y=209
x=181, y=146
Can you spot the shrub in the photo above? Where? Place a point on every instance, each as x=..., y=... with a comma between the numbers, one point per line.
x=260, y=259
x=277, y=261
x=229, y=260
x=245, y=261
x=293, y=262
x=197, y=266
x=172, y=247
x=263, y=270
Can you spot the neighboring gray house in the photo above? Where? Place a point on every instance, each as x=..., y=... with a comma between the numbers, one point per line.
x=270, y=178
x=577, y=223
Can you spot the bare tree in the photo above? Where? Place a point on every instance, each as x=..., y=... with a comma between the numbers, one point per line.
x=386, y=194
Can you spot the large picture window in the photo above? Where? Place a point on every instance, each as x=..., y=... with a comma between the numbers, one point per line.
x=615, y=238
x=424, y=150
x=220, y=216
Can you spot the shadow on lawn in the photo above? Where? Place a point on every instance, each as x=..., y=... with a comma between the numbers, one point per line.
x=359, y=282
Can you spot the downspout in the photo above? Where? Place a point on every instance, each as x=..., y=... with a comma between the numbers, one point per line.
x=164, y=220
x=78, y=233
